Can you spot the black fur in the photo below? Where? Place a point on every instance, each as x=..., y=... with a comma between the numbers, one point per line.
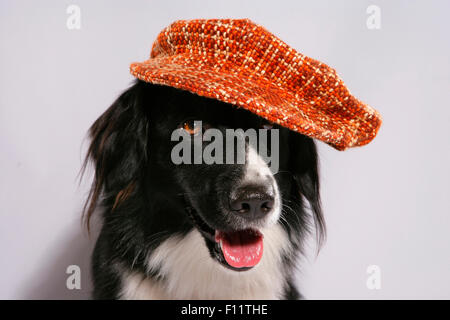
x=142, y=195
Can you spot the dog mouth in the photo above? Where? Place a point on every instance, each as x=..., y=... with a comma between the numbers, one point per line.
x=238, y=250
x=242, y=248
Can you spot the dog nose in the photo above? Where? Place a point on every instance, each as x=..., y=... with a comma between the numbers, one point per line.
x=252, y=201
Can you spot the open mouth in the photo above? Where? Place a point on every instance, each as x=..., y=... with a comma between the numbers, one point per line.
x=242, y=248
x=238, y=250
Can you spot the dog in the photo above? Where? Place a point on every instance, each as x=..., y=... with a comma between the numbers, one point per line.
x=196, y=231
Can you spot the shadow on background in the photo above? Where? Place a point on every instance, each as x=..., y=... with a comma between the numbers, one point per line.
x=49, y=282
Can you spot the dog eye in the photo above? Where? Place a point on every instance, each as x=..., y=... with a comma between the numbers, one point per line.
x=191, y=126
x=267, y=125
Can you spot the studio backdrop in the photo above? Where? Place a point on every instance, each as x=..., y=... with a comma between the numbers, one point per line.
x=386, y=205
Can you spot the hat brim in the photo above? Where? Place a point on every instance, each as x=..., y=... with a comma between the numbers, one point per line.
x=339, y=124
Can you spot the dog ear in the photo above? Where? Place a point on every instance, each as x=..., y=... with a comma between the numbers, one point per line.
x=118, y=149
x=304, y=165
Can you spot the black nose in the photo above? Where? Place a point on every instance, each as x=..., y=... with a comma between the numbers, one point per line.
x=252, y=201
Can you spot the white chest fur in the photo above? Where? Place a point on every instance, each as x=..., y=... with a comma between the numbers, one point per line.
x=190, y=273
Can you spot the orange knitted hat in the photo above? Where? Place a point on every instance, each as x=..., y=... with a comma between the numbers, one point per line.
x=241, y=63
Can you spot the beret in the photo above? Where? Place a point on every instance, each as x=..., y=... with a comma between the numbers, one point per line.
x=241, y=63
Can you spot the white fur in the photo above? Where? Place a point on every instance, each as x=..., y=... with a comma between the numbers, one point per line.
x=256, y=168
x=190, y=273
x=135, y=286
x=257, y=171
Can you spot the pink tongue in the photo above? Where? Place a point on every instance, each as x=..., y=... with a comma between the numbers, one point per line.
x=241, y=248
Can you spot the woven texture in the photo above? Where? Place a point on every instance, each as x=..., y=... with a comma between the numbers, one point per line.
x=241, y=63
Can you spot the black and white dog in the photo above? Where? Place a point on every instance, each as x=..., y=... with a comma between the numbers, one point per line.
x=205, y=231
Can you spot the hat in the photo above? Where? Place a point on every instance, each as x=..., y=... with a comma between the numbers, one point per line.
x=241, y=63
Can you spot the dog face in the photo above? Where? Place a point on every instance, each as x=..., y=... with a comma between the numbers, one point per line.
x=230, y=204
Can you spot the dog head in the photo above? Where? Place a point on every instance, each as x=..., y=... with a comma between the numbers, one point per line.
x=157, y=155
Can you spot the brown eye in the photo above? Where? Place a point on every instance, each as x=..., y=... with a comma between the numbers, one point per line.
x=267, y=125
x=191, y=126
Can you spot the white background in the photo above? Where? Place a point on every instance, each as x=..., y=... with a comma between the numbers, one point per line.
x=386, y=204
